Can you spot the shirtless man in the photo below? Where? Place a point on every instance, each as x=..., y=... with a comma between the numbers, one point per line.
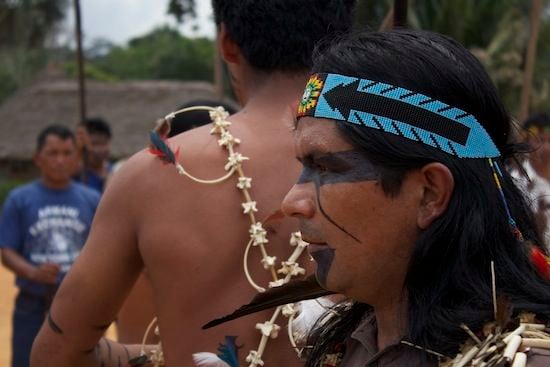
x=190, y=237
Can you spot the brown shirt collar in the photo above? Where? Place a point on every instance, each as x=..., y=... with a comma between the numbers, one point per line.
x=361, y=350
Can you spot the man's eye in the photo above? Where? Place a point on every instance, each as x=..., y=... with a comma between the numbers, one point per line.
x=321, y=169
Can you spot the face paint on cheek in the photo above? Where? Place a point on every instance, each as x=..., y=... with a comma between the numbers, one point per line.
x=341, y=167
x=323, y=257
x=348, y=166
x=308, y=175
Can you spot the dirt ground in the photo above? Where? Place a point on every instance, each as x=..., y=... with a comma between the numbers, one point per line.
x=7, y=296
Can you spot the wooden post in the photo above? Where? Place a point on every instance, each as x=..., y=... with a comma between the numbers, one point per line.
x=387, y=23
x=400, y=13
x=530, y=59
x=81, y=89
x=80, y=64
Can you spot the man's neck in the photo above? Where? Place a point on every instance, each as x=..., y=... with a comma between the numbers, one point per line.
x=391, y=321
x=55, y=185
x=98, y=170
x=270, y=92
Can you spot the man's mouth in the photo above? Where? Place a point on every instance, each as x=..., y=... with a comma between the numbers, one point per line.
x=316, y=246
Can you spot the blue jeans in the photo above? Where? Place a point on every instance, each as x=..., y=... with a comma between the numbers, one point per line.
x=28, y=316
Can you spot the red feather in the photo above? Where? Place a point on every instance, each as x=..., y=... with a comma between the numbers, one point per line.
x=541, y=262
x=156, y=152
x=160, y=147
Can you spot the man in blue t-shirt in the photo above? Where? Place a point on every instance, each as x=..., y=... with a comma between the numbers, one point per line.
x=43, y=227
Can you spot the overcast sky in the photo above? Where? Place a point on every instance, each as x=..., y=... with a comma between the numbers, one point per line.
x=121, y=20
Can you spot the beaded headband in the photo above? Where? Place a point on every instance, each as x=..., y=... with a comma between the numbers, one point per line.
x=398, y=111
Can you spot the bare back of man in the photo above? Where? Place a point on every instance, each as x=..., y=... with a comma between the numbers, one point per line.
x=190, y=239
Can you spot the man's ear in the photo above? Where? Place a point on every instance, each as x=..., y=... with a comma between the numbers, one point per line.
x=438, y=184
x=36, y=158
x=228, y=48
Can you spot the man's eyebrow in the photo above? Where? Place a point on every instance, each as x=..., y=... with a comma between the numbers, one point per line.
x=316, y=154
x=329, y=156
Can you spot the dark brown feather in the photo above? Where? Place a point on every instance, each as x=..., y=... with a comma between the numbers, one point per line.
x=293, y=291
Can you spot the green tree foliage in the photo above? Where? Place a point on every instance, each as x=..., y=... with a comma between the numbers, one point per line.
x=496, y=32
x=182, y=9
x=471, y=22
x=541, y=98
x=162, y=54
x=28, y=23
x=25, y=28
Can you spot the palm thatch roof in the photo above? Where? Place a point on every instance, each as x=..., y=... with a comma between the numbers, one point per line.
x=131, y=108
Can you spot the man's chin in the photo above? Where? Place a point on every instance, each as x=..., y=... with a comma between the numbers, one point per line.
x=323, y=258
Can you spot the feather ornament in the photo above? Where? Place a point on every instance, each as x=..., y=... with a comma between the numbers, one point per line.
x=227, y=355
x=541, y=262
x=309, y=312
x=228, y=352
x=161, y=148
x=139, y=361
x=206, y=359
x=291, y=292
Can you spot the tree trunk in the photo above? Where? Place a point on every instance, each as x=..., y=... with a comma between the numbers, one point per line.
x=536, y=8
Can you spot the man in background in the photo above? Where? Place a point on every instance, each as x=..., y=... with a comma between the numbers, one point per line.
x=96, y=140
x=536, y=166
x=43, y=226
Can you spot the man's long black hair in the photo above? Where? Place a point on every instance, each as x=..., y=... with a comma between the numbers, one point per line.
x=449, y=279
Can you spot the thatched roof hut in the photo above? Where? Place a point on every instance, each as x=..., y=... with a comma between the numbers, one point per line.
x=130, y=107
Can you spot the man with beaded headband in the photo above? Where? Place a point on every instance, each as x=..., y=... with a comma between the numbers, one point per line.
x=189, y=233
x=410, y=213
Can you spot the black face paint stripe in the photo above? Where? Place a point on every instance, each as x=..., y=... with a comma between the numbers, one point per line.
x=328, y=217
x=346, y=98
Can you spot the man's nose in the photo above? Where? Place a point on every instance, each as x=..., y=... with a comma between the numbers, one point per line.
x=62, y=158
x=300, y=201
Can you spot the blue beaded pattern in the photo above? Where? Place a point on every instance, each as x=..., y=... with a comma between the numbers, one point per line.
x=477, y=145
